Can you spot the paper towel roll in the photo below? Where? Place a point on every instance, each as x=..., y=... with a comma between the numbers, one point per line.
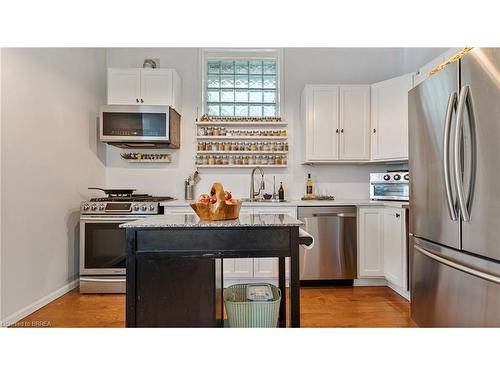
x=303, y=233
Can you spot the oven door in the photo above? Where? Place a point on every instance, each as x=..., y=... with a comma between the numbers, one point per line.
x=389, y=191
x=122, y=123
x=103, y=245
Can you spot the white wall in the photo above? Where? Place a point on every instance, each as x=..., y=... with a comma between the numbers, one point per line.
x=49, y=156
x=300, y=66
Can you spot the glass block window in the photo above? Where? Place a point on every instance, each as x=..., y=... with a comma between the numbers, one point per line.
x=241, y=88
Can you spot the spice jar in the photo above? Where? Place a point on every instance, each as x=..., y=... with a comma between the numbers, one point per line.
x=285, y=146
x=253, y=146
x=201, y=146
x=278, y=160
x=264, y=160
x=222, y=131
x=220, y=146
x=210, y=131
x=230, y=159
x=258, y=160
x=245, y=160
x=260, y=146
x=211, y=160
x=238, y=160
x=241, y=147
x=246, y=146
x=198, y=160
x=234, y=146
x=229, y=133
x=227, y=146
x=203, y=160
x=251, y=159
x=265, y=147
x=208, y=146
x=216, y=132
x=202, y=131
x=270, y=160
x=218, y=160
x=283, y=133
x=283, y=160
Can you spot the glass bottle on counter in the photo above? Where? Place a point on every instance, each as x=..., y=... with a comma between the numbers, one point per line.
x=281, y=192
x=309, y=186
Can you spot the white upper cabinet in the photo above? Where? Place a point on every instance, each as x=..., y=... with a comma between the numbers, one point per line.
x=124, y=86
x=321, y=113
x=395, y=268
x=336, y=122
x=145, y=86
x=389, y=112
x=354, y=123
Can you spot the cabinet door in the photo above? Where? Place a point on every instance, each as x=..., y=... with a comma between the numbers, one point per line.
x=322, y=122
x=124, y=86
x=354, y=122
x=394, y=246
x=390, y=118
x=156, y=86
x=370, y=250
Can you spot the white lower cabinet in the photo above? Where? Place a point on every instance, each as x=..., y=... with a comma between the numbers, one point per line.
x=394, y=240
x=370, y=245
x=382, y=245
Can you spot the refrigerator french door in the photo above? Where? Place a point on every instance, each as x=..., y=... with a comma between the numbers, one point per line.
x=454, y=130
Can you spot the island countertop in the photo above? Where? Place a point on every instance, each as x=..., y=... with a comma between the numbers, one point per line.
x=192, y=220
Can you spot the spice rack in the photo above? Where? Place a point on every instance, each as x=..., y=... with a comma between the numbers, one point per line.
x=227, y=144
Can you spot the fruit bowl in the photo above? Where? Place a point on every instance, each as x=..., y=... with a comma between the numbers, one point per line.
x=218, y=208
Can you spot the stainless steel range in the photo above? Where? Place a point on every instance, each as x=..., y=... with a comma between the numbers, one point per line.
x=103, y=243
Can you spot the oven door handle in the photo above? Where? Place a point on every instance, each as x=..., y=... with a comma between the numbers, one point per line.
x=103, y=280
x=110, y=219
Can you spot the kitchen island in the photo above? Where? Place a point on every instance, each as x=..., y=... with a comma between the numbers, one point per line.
x=174, y=266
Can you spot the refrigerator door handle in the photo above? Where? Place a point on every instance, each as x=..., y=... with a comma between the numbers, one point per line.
x=463, y=100
x=446, y=155
x=458, y=266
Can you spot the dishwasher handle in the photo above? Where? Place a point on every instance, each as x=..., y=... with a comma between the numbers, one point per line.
x=340, y=214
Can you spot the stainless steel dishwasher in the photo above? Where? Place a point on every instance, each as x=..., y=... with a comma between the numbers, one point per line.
x=333, y=256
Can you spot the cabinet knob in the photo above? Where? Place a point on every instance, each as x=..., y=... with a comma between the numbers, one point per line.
x=342, y=130
x=337, y=131
x=142, y=101
x=137, y=100
x=398, y=215
x=374, y=130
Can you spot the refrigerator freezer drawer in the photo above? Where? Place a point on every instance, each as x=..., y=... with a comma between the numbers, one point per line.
x=448, y=291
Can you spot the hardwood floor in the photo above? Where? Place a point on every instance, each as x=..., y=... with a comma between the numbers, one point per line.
x=320, y=307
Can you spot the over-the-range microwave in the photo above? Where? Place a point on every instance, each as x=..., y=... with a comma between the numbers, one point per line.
x=141, y=126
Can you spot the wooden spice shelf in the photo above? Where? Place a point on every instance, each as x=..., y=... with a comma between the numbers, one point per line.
x=249, y=137
x=242, y=166
x=244, y=152
x=241, y=123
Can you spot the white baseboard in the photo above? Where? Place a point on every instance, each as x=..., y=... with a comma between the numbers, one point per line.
x=402, y=292
x=376, y=281
x=272, y=280
x=20, y=314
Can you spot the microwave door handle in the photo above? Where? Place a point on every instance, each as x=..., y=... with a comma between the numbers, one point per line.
x=446, y=155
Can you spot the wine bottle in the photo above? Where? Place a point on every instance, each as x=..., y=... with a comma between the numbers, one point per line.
x=309, y=187
x=281, y=192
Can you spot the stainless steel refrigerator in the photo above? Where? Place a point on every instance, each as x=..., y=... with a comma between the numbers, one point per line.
x=454, y=163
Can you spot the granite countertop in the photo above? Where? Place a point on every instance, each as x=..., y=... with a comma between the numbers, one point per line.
x=305, y=203
x=192, y=220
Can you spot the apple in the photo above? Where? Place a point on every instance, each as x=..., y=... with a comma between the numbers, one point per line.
x=204, y=198
x=213, y=199
x=227, y=195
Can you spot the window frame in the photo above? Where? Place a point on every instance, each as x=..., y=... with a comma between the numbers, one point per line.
x=240, y=54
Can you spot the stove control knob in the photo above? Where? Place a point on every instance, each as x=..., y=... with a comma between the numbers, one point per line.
x=101, y=207
x=152, y=207
x=387, y=177
x=407, y=177
x=86, y=207
x=136, y=207
x=397, y=177
x=93, y=207
x=144, y=207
